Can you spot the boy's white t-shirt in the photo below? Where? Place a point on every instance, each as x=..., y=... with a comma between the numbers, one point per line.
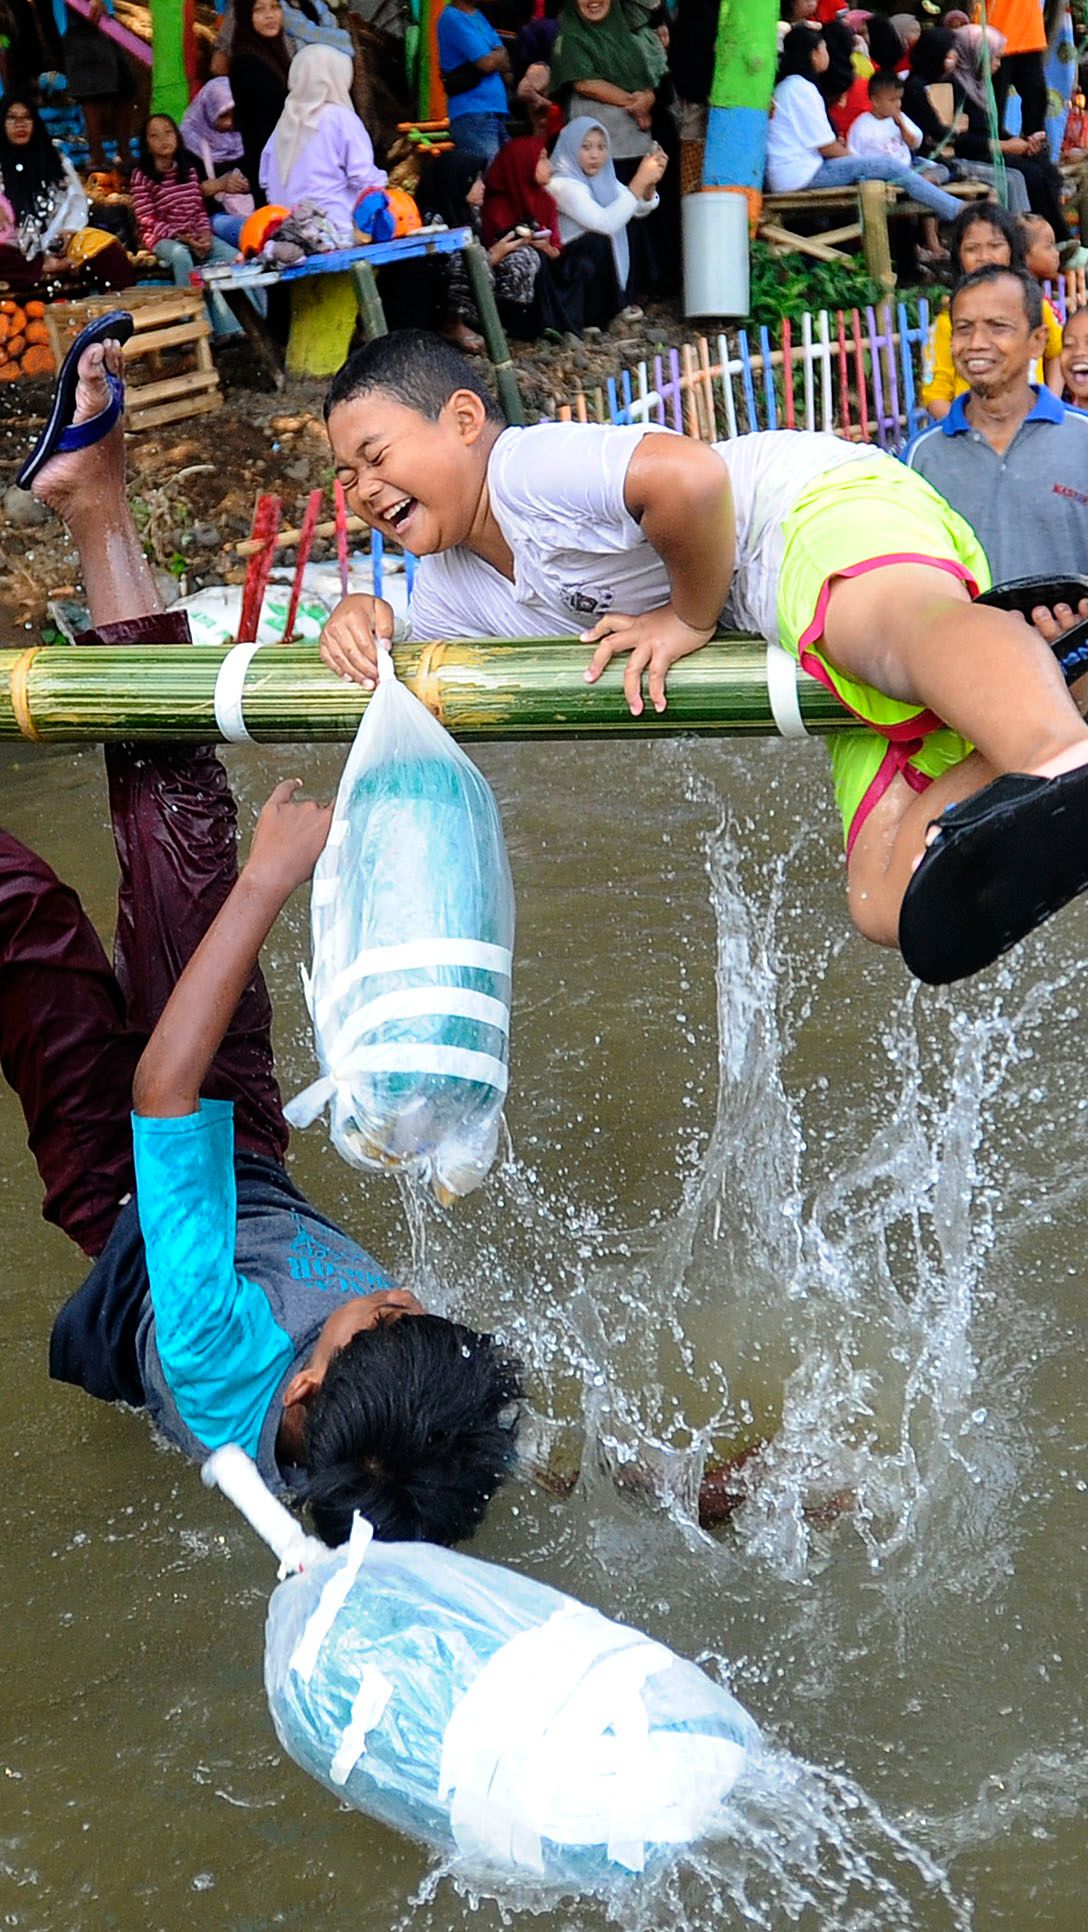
x=797, y=130
x=870, y=136
x=557, y=495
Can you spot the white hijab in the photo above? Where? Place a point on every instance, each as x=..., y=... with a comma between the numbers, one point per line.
x=319, y=77
x=604, y=186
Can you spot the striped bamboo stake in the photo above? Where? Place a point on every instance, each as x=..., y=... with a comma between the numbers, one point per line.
x=282, y=693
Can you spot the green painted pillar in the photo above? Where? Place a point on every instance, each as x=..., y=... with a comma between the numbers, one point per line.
x=745, y=60
x=169, y=81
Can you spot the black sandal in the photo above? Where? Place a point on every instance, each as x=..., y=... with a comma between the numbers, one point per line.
x=1025, y=593
x=1000, y=865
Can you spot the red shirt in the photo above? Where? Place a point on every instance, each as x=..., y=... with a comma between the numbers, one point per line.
x=166, y=207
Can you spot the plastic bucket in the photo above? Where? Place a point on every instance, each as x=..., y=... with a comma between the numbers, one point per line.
x=715, y=229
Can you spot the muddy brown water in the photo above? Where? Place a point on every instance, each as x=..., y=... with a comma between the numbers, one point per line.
x=758, y=1184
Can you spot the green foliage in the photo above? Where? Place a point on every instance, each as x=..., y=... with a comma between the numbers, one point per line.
x=789, y=284
x=784, y=285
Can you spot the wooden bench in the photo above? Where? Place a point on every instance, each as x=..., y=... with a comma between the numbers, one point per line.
x=330, y=292
x=169, y=372
x=868, y=206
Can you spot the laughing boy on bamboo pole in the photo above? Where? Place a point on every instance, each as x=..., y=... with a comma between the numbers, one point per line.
x=964, y=792
x=220, y=1299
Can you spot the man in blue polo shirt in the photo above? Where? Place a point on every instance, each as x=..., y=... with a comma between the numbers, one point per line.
x=473, y=62
x=1010, y=457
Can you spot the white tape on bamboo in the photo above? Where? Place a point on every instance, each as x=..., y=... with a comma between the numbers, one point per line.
x=783, y=693
x=229, y=690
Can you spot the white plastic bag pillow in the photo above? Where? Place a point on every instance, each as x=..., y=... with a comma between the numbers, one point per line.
x=412, y=915
x=493, y=1716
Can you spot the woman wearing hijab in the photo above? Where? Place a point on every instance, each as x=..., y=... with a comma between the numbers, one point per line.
x=597, y=59
x=593, y=201
x=320, y=151
x=210, y=136
x=976, y=50
x=516, y=193
x=452, y=192
x=50, y=208
x=933, y=64
x=259, y=66
x=907, y=31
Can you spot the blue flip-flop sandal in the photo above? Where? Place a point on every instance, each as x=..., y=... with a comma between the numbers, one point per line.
x=1001, y=863
x=1024, y=594
x=60, y=434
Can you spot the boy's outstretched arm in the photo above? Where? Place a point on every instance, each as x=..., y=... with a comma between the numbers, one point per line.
x=678, y=490
x=286, y=845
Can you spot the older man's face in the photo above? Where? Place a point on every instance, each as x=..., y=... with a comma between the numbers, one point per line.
x=993, y=345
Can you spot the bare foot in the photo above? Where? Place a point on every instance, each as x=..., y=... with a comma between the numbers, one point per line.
x=88, y=479
x=464, y=338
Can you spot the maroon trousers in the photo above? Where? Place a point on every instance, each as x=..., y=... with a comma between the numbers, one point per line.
x=72, y=1028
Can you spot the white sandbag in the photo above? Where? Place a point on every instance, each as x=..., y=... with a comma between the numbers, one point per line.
x=412, y=915
x=485, y=1712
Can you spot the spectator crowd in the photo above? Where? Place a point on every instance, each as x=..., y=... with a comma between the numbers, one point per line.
x=566, y=121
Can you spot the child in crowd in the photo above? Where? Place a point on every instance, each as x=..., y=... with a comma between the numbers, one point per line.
x=320, y=151
x=985, y=236
x=171, y=215
x=220, y=1299
x=860, y=570
x=1074, y=359
x=593, y=201
x=885, y=131
x=1041, y=257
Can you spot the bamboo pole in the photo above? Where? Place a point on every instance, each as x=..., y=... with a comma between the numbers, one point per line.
x=527, y=688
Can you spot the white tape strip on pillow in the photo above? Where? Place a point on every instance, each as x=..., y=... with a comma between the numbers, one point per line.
x=415, y=955
x=782, y=676
x=397, y=1056
x=367, y=1710
x=229, y=687
x=329, y=1604
x=418, y=1002
x=552, y=1741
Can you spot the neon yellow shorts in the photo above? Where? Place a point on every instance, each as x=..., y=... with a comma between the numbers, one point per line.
x=864, y=516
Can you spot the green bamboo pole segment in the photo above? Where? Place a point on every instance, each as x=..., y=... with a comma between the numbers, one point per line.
x=506, y=379
x=525, y=688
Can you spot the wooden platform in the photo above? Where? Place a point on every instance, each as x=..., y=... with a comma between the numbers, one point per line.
x=867, y=208
x=169, y=372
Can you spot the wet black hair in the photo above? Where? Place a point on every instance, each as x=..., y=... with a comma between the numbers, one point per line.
x=414, y=1426
x=415, y=368
x=797, y=50
x=994, y=272
x=999, y=218
x=885, y=81
x=183, y=162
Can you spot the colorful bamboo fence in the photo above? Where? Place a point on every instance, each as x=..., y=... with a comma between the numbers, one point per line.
x=854, y=372
x=858, y=373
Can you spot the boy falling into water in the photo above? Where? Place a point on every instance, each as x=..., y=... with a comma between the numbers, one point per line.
x=220, y=1299
x=642, y=542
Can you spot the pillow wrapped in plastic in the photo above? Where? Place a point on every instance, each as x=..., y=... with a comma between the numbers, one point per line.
x=412, y=915
x=489, y=1714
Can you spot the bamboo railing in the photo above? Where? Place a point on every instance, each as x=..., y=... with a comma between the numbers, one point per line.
x=527, y=688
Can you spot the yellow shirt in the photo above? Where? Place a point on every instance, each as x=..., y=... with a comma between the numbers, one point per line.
x=944, y=385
